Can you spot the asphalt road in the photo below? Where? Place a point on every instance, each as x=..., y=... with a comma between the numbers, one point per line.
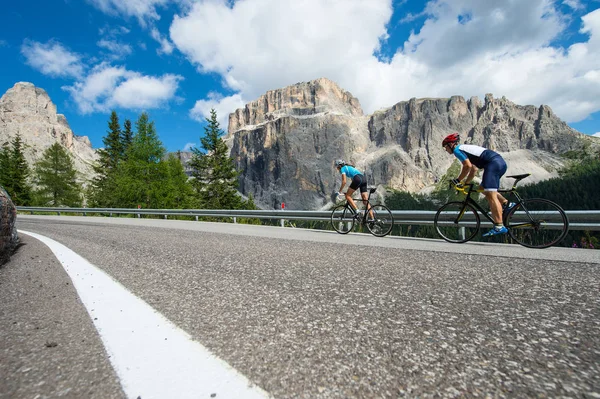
x=309, y=314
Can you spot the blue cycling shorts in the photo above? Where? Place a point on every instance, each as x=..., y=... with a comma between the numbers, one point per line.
x=492, y=173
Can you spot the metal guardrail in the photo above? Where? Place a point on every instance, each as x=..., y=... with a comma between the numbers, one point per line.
x=578, y=220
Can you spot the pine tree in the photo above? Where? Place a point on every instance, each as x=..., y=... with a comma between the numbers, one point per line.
x=215, y=177
x=126, y=138
x=56, y=178
x=179, y=193
x=102, y=189
x=5, y=167
x=142, y=179
x=21, y=190
x=111, y=154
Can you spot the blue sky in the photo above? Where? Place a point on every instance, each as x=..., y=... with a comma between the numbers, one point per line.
x=177, y=59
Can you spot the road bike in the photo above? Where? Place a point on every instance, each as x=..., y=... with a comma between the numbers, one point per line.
x=376, y=217
x=533, y=223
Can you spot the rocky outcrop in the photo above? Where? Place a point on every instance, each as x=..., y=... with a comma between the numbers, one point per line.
x=8, y=228
x=284, y=143
x=414, y=129
x=306, y=99
x=28, y=111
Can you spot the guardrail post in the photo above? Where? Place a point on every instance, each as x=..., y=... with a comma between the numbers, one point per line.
x=165, y=215
x=196, y=218
x=234, y=220
x=58, y=213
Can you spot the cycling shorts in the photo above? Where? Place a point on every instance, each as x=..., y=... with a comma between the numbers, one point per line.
x=492, y=173
x=359, y=181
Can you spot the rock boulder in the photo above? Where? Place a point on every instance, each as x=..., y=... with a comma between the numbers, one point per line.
x=8, y=228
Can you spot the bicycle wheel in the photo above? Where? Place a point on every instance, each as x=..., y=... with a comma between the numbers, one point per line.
x=383, y=223
x=537, y=223
x=457, y=222
x=342, y=219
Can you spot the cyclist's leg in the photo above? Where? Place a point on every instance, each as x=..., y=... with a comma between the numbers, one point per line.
x=364, y=193
x=491, y=183
x=495, y=206
x=350, y=191
x=501, y=171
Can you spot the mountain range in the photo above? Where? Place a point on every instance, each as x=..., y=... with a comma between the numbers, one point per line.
x=284, y=143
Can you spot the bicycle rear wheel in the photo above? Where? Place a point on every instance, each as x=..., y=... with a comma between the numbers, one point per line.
x=457, y=222
x=342, y=219
x=537, y=223
x=383, y=223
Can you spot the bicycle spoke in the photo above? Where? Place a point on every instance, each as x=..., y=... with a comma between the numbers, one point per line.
x=342, y=219
x=537, y=223
x=457, y=222
x=382, y=221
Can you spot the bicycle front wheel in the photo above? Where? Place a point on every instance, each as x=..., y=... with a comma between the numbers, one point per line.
x=537, y=223
x=457, y=222
x=383, y=221
x=342, y=219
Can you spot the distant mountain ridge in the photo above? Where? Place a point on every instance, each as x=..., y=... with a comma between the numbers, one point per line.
x=28, y=111
x=284, y=143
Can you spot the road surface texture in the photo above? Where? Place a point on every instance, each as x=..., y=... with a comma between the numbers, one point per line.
x=312, y=314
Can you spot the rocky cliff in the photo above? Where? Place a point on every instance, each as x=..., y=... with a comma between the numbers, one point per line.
x=27, y=110
x=8, y=227
x=285, y=142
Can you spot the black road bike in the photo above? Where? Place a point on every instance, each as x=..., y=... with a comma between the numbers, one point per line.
x=533, y=223
x=376, y=217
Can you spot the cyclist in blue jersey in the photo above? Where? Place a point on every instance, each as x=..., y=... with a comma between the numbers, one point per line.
x=357, y=181
x=473, y=157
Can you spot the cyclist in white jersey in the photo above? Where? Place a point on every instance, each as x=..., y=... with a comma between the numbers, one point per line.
x=357, y=181
x=473, y=157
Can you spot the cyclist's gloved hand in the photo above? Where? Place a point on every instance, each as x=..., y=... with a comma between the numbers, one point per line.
x=457, y=183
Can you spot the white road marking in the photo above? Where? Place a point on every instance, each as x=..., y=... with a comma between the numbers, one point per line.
x=152, y=357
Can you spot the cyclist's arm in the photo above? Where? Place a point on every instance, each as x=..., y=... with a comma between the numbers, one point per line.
x=468, y=170
x=343, y=182
x=471, y=174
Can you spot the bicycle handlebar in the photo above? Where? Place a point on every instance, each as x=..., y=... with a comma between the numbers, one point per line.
x=466, y=188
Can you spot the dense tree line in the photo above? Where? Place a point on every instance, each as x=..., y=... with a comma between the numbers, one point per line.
x=53, y=181
x=133, y=170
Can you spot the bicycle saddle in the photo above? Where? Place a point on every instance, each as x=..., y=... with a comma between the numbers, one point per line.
x=520, y=177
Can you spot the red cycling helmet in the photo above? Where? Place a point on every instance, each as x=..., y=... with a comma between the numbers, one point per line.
x=451, y=138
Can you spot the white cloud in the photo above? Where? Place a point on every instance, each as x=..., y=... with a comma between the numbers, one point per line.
x=117, y=50
x=596, y=134
x=265, y=44
x=165, y=45
x=52, y=59
x=574, y=4
x=464, y=47
x=107, y=87
x=222, y=105
x=143, y=10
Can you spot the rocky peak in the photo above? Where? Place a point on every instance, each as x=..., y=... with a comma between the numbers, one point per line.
x=27, y=110
x=284, y=143
x=301, y=99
